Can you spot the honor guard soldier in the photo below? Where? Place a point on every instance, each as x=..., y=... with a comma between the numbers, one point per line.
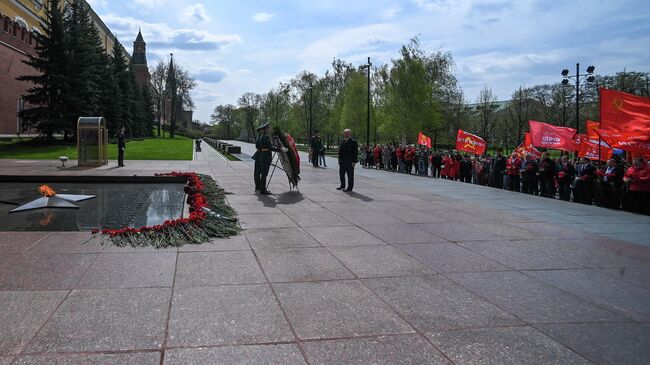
x=263, y=158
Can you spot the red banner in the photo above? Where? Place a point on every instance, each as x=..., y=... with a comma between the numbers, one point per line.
x=627, y=141
x=470, y=143
x=622, y=112
x=424, y=140
x=590, y=150
x=551, y=136
x=295, y=149
x=591, y=129
x=524, y=150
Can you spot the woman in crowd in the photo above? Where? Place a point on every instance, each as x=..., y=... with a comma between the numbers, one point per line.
x=637, y=180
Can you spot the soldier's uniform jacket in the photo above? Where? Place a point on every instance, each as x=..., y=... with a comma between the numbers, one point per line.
x=264, y=148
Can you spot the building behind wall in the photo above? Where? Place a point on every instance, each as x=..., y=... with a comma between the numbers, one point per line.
x=19, y=20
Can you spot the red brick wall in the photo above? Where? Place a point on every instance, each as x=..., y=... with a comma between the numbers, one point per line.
x=15, y=43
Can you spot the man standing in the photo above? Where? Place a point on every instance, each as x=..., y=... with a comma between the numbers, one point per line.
x=121, y=145
x=347, y=159
x=611, y=183
x=547, y=170
x=262, y=158
x=565, y=172
x=316, y=147
x=498, y=169
x=529, y=172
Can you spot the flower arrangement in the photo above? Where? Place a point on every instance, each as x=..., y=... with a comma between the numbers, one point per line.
x=292, y=154
x=205, y=199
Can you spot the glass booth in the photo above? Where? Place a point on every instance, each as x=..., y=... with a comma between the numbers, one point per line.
x=92, y=141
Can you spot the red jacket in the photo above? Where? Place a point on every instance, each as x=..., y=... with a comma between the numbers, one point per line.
x=398, y=152
x=639, y=178
x=513, y=166
x=409, y=154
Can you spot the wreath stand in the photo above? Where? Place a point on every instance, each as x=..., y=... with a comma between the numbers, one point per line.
x=283, y=165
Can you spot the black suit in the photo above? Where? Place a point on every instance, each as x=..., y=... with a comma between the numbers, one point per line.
x=347, y=158
x=121, y=144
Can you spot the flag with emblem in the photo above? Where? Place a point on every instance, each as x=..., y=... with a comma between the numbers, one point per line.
x=424, y=140
x=622, y=112
x=470, y=143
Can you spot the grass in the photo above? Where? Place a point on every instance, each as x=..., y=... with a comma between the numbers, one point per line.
x=179, y=148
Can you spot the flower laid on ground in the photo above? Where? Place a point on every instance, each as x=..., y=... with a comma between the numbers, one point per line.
x=204, y=196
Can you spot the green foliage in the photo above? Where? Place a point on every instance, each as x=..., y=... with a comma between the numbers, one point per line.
x=46, y=98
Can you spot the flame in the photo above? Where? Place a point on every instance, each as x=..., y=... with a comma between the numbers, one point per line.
x=46, y=190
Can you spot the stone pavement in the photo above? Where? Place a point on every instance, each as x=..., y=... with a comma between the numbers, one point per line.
x=405, y=270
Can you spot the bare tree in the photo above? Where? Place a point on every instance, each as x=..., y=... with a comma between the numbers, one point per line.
x=486, y=110
x=158, y=78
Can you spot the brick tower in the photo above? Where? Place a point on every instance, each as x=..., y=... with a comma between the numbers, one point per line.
x=139, y=61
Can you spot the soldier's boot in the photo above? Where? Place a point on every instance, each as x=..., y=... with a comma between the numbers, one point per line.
x=263, y=190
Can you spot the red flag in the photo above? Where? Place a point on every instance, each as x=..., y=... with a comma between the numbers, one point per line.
x=591, y=151
x=628, y=141
x=528, y=139
x=621, y=112
x=591, y=129
x=470, y=143
x=424, y=140
x=522, y=150
x=551, y=136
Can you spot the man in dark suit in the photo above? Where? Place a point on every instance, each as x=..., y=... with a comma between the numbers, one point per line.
x=316, y=147
x=121, y=146
x=347, y=159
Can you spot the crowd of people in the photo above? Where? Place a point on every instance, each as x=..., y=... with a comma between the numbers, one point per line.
x=615, y=184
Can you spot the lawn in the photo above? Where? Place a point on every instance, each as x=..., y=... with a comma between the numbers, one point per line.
x=179, y=148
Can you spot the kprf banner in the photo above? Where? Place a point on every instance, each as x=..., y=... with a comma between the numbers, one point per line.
x=424, y=140
x=622, y=112
x=527, y=148
x=551, y=136
x=628, y=141
x=470, y=143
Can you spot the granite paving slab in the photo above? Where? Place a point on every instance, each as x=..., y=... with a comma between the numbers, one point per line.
x=301, y=264
x=15, y=242
x=262, y=239
x=388, y=350
x=461, y=232
x=434, y=303
x=318, y=219
x=449, y=258
x=140, y=358
x=42, y=271
x=288, y=354
x=625, y=299
x=532, y=300
x=129, y=270
x=522, y=255
x=401, y=233
x=638, y=275
x=67, y=242
x=261, y=220
x=22, y=314
x=216, y=268
x=329, y=309
x=343, y=236
x=106, y=320
x=373, y=261
x=503, y=346
x=234, y=243
x=604, y=343
x=226, y=315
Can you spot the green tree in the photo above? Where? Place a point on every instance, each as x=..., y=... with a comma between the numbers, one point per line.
x=46, y=102
x=124, y=80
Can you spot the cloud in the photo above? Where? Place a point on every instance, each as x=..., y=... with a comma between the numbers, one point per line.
x=161, y=37
x=194, y=14
x=214, y=75
x=262, y=17
x=145, y=3
x=390, y=13
x=95, y=4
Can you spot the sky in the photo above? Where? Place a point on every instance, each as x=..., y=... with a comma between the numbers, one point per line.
x=232, y=47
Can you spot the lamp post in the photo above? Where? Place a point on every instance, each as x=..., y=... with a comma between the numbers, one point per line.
x=565, y=81
x=367, y=67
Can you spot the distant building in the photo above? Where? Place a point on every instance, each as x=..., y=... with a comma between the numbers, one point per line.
x=19, y=20
x=139, y=62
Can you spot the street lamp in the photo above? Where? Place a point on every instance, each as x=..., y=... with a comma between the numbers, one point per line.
x=589, y=76
x=367, y=67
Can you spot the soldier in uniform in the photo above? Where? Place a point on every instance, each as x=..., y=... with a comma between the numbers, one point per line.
x=121, y=146
x=263, y=158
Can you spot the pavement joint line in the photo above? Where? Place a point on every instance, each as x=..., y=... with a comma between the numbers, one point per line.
x=301, y=348
x=163, y=346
